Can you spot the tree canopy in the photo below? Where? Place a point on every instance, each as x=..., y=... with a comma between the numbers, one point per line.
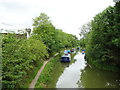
x=102, y=40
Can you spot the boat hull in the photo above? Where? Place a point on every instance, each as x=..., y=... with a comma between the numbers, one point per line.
x=66, y=58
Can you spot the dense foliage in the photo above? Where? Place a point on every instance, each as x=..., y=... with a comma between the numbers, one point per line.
x=18, y=57
x=21, y=55
x=102, y=41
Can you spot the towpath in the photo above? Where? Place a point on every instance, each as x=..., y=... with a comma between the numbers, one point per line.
x=34, y=81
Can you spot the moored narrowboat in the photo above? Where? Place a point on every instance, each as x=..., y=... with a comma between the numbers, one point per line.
x=83, y=51
x=66, y=58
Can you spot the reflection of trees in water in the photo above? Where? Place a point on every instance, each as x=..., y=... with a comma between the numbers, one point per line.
x=65, y=64
x=95, y=78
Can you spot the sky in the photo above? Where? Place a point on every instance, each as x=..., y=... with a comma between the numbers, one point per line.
x=68, y=15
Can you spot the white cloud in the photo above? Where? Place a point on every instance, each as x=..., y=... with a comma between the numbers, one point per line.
x=67, y=15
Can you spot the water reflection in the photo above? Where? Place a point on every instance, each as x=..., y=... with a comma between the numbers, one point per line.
x=95, y=78
x=80, y=75
x=65, y=64
x=71, y=74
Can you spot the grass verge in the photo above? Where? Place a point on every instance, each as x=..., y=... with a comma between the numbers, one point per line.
x=30, y=76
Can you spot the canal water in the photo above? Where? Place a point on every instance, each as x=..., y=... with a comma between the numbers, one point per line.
x=81, y=75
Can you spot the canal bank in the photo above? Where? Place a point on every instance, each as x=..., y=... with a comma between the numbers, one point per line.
x=52, y=71
x=76, y=74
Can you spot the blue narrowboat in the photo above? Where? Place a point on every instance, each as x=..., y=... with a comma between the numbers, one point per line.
x=83, y=51
x=66, y=58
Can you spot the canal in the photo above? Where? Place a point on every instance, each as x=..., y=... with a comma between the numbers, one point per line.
x=81, y=75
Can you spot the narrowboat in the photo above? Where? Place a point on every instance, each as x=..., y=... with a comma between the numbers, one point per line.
x=83, y=51
x=73, y=50
x=66, y=58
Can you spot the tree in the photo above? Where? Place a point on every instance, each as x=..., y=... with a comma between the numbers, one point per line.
x=53, y=38
x=102, y=40
x=85, y=29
